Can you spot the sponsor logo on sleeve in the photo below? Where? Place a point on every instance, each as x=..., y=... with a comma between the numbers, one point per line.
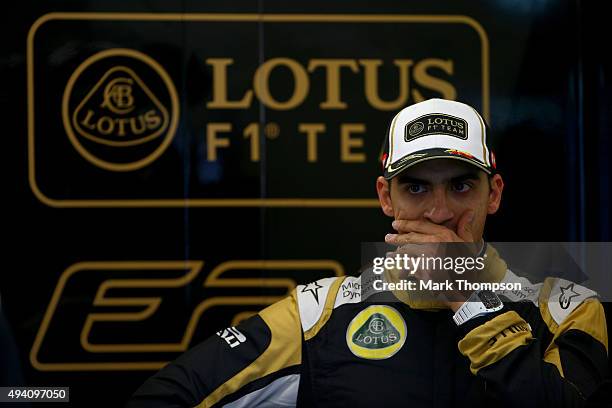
x=313, y=288
x=349, y=292
x=509, y=331
x=232, y=336
x=566, y=296
x=351, y=289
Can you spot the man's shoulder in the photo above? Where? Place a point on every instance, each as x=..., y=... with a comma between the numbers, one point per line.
x=555, y=297
x=317, y=300
x=563, y=297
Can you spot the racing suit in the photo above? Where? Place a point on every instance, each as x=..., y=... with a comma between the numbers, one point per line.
x=330, y=344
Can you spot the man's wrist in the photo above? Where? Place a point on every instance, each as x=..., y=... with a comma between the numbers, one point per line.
x=480, y=303
x=454, y=306
x=475, y=322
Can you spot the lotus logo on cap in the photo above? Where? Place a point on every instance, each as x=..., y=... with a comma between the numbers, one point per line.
x=416, y=128
x=436, y=124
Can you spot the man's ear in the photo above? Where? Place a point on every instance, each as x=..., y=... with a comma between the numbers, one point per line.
x=384, y=196
x=495, y=195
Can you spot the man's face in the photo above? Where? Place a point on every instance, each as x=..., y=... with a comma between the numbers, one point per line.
x=441, y=191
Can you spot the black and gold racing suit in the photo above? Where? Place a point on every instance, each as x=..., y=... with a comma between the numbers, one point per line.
x=328, y=346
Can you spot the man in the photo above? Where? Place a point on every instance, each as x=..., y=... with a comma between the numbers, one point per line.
x=339, y=342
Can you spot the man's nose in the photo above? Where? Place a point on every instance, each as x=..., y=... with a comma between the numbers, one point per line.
x=438, y=211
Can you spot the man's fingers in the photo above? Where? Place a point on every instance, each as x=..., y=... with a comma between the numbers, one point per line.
x=420, y=226
x=464, y=227
x=410, y=238
x=439, y=233
x=443, y=234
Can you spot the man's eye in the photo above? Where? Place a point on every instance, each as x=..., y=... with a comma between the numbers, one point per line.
x=461, y=187
x=415, y=188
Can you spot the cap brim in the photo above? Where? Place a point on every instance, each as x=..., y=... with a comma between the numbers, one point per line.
x=430, y=154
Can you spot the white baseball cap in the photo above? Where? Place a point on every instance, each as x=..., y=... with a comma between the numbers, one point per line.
x=435, y=129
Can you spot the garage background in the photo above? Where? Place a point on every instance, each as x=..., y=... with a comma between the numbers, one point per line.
x=128, y=246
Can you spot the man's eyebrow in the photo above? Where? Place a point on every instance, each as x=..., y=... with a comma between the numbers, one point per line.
x=411, y=180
